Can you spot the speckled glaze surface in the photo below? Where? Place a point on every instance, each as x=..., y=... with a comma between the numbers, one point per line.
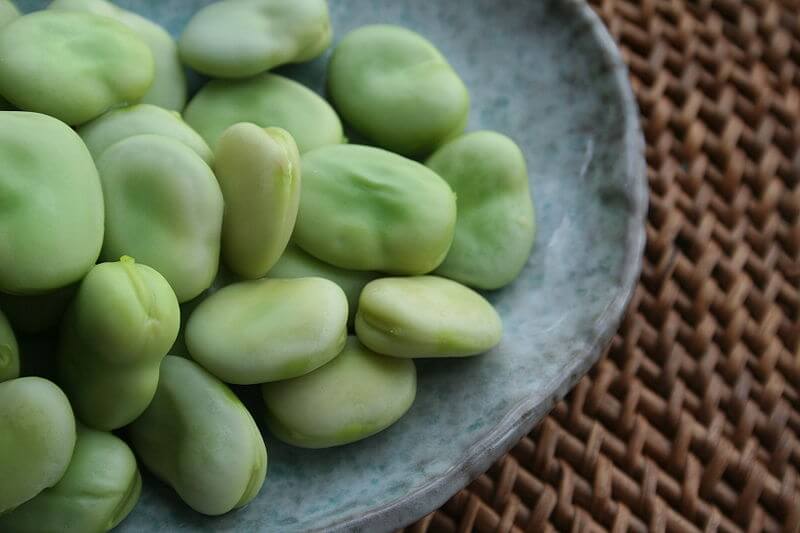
x=546, y=73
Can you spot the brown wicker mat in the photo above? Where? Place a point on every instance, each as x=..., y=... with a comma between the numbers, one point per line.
x=691, y=422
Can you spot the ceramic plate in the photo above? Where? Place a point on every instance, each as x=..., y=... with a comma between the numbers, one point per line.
x=546, y=73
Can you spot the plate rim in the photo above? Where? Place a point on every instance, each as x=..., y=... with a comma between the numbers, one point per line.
x=521, y=419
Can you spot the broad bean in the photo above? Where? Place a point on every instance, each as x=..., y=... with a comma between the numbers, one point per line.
x=240, y=38
x=364, y=208
x=116, y=331
x=72, y=65
x=259, y=174
x=51, y=204
x=425, y=316
x=356, y=395
x=396, y=89
x=200, y=439
x=267, y=330
x=496, y=226
x=37, y=437
x=164, y=208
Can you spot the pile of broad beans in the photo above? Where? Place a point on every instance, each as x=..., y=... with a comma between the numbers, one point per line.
x=172, y=248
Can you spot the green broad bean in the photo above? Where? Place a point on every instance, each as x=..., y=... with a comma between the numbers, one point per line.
x=426, y=316
x=356, y=395
x=395, y=88
x=100, y=487
x=117, y=330
x=163, y=207
x=269, y=329
x=73, y=66
x=364, y=208
x=267, y=100
x=9, y=351
x=199, y=438
x=37, y=313
x=169, y=82
x=496, y=224
x=241, y=38
x=51, y=204
x=141, y=119
x=8, y=12
x=295, y=263
x=37, y=437
x=258, y=170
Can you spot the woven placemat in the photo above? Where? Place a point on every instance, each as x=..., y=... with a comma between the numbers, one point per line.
x=691, y=422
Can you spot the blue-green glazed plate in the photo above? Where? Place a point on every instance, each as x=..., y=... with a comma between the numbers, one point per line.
x=546, y=73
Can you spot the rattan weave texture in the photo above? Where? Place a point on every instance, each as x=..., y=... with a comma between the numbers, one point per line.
x=691, y=422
